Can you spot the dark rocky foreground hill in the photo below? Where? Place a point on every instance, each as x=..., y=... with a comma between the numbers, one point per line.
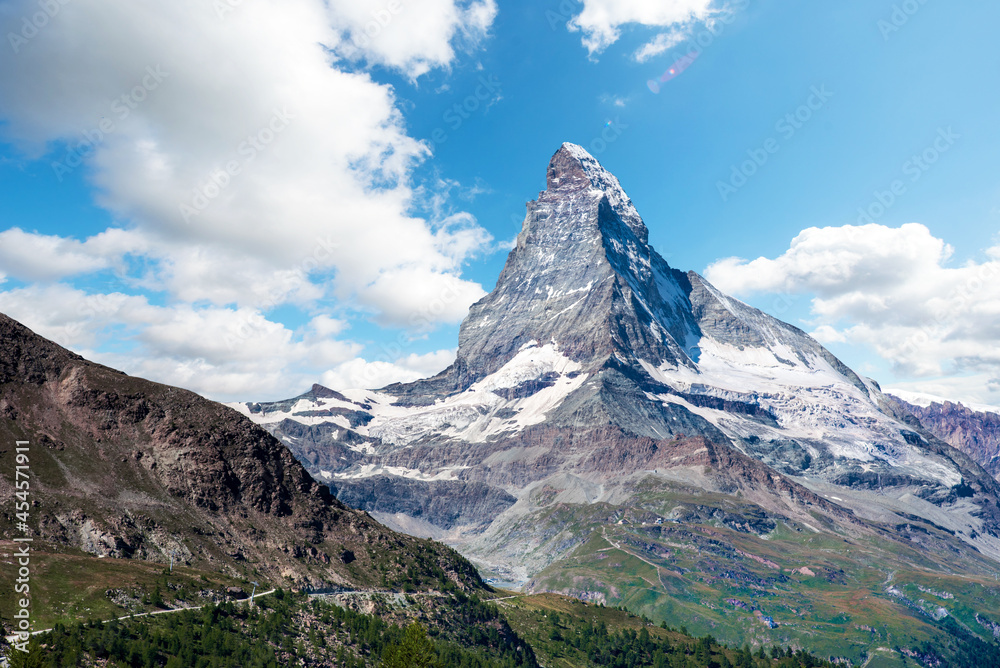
x=123, y=467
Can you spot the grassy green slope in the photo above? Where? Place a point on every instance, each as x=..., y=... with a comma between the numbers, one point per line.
x=446, y=631
x=562, y=631
x=851, y=596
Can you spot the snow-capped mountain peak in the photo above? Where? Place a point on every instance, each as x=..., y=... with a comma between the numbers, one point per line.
x=591, y=349
x=573, y=168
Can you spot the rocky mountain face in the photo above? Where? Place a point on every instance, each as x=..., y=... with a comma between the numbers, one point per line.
x=593, y=361
x=976, y=433
x=123, y=467
x=621, y=431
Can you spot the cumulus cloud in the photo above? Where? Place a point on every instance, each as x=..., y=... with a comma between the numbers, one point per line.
x=225, y=353
x=251, y=162
x=893, y=290
x=835, y=262
x=600, y=21
x=30, y=256
x=979, y=392
x=238, y=134
x=411, y=35
x=826, y=335
x=444, y=298
x=360, y=373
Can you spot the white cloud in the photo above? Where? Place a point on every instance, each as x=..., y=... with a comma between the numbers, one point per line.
x=321, y=152
x=443, y=298
x=826, y=335
x=36, y=257
x=68, y=316
x=223, y=276
x=660, y=44
x=324, y=325
x=976, y=391
x=251, y=165
x=890, y=289
x=221, y=352
x=838, y=262
x=411, y=35
x=360, y=373
x=600, y=21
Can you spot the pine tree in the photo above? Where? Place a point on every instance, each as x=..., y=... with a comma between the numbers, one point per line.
x=31, y=659
x=415, y=650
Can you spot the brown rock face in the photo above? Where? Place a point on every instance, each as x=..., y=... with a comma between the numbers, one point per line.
x=565, y=173
x=975, y=433
x=125, y=467
x=596, y=369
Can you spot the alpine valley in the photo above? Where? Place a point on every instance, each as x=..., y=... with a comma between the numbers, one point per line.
x=621, y=432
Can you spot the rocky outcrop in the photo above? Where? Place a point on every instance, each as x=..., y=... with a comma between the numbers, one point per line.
x=128, y=468
x=595, y=363
x=976, y=433
x=444, y=503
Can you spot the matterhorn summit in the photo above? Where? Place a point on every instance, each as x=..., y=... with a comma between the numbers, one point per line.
x=595, y=372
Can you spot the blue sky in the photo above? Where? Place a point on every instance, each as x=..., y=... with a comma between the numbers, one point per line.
x=347, y=244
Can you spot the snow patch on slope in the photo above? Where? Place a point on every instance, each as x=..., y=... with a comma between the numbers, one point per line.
x=812, y=402
x=479, y=414
x=304, y=411
x=369, y=470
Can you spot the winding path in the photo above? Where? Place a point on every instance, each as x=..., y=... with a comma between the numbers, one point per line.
x=11, y=639
x=656, y=567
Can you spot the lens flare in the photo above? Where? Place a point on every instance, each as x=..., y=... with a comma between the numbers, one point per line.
x=673, y=71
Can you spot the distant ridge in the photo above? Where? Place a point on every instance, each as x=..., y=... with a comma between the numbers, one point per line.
x=974, y=430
